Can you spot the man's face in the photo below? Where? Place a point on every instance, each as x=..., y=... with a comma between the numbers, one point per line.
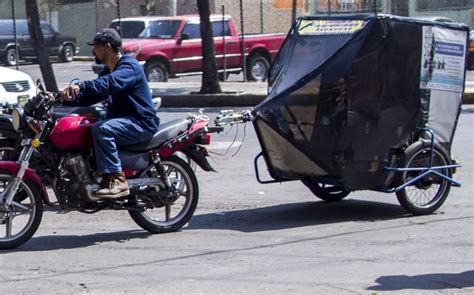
x=99, y=52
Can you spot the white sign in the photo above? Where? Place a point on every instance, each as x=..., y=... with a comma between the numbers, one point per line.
x=443, y=59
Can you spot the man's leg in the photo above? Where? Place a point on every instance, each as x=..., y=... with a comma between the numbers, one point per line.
x=107, y=135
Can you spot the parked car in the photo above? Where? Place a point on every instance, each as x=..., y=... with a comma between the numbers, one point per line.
x=171, y=47
x=15, y=87
x=62, y=46
x=131, y=27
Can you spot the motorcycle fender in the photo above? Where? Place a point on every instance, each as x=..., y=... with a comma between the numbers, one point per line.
x=198, y=154
x=30, y=174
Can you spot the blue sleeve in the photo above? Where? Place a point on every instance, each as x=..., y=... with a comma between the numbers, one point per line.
x=121, y=79
x=96, y=90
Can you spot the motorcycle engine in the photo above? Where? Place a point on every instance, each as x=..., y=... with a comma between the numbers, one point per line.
x=77, y=183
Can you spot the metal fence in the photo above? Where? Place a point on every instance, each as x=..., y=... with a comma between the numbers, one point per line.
x=82, y=18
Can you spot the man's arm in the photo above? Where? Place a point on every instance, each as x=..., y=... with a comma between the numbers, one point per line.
x=91, y=92
x=121, y=79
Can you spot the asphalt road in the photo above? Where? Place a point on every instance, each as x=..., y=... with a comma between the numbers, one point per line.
x=247, y=237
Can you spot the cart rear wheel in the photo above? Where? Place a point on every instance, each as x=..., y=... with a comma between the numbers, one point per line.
x=326, y=192
x=427, y=194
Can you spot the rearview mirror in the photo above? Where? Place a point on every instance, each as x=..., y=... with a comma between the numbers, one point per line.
x=39, y=85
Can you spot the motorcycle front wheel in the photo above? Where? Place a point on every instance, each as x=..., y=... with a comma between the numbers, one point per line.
x=20, y=220
x=169, y=212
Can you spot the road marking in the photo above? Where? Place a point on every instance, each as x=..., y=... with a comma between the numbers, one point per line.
x=223, y=145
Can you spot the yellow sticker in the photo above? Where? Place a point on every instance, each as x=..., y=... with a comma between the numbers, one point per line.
x=329, y=27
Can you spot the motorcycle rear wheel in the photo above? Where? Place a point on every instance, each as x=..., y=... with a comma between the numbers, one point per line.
x=19, y=221
x=170, y=214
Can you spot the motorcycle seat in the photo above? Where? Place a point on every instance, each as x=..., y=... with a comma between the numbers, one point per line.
x=165, y=132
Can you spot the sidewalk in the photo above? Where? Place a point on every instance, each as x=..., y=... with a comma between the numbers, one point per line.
x=235, y=94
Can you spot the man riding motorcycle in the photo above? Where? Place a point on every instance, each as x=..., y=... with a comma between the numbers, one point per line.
x=131, y=116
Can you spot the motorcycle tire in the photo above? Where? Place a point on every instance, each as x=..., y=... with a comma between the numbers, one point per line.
x=182, y=176
x=257, y=68
x=156, y=71
x=325, y=192
x=27, y=195
x=427, y=194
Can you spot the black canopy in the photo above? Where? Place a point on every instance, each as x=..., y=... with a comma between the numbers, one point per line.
x=347, y=92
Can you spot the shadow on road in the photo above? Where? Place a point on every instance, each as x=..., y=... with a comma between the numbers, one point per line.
x=56, y=242
x=247, y=220
x=435, y=281
x=297, y=215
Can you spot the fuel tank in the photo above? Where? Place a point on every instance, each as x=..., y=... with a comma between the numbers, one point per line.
x=72, y=132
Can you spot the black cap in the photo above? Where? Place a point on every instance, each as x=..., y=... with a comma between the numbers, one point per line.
x=106, y=35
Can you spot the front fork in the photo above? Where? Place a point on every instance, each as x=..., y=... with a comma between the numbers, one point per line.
x=12, y=186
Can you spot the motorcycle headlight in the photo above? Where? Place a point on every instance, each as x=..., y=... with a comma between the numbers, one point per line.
x=18, y=118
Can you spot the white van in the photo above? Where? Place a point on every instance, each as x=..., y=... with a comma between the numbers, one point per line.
x=15, y=87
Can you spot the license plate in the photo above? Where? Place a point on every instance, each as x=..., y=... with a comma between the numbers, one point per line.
x=22, y=99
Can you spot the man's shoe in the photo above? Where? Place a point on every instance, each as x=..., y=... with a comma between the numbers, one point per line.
x=115, y=186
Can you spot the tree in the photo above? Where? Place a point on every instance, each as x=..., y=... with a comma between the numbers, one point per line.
x=210, y=79
x=41, y=51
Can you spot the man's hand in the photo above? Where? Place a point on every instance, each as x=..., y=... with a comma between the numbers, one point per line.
x=69, y=92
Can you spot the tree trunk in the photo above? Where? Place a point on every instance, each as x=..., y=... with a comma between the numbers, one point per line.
x=41, y=51
x=210, y=80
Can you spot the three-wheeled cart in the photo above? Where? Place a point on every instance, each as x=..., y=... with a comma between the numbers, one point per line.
x=365, y=102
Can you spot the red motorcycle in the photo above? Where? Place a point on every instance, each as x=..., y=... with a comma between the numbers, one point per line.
x=163, y=188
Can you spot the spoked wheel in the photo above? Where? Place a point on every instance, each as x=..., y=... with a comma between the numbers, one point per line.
x=168, y=212
x=326, y=192
x=427, y=194
x=20, y=220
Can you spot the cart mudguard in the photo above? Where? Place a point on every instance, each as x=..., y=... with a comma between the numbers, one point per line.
x=30, y=174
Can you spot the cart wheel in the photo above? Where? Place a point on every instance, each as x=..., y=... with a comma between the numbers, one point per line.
x=326, y=192
x=427, y=194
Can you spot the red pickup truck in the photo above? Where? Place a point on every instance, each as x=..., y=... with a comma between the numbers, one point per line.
x=171, y=47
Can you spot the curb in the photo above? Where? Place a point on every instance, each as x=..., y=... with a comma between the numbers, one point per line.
x=83, y=58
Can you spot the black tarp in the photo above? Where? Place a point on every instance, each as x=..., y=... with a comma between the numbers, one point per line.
x=346, y=93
